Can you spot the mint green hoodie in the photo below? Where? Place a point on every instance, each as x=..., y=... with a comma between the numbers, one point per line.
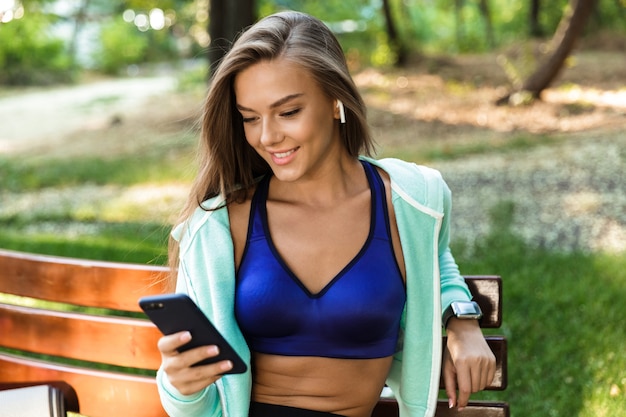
x=421, y=202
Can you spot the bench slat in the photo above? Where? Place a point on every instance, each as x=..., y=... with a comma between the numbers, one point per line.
x=100, y=393
x=117, y=285
x=487, y=292
x=89, y=283
x=389, y=408
x=119, y=341
x=474, y=409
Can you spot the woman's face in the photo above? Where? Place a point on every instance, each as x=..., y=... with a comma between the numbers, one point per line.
x=288, y=119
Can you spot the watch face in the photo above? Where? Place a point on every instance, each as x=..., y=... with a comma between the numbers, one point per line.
x=466, y=310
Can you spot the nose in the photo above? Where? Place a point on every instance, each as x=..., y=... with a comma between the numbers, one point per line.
x=270, y=133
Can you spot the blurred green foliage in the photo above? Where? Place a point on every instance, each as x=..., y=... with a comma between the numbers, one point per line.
x=120, y=45
x=30, y=52
x=432, y=26
x=29, y=55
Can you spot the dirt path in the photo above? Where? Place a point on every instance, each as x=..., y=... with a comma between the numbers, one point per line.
x=31, y=120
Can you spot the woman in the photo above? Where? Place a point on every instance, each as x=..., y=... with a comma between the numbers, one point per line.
x=327, y=271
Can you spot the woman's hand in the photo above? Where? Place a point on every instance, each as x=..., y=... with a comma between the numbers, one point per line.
x=177, y=366
x=468, y=363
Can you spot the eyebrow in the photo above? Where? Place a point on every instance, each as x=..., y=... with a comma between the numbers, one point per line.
x=275, y=104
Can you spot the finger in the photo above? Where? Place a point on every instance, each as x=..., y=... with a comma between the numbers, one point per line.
x=192, y=356
x=464, y=383
x=477, y=370
x=169, y=344
x=485, y=371
x=194, y=379
x=490, y=372
x=449, y=379
x=482, y=379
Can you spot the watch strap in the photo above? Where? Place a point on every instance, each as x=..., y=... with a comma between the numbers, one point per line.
x=447, y=315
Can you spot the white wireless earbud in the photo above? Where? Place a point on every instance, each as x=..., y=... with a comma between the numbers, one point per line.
x=342, y=112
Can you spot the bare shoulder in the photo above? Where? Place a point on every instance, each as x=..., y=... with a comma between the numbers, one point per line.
x=395, y=235
x=386, y=181
x=239, y=215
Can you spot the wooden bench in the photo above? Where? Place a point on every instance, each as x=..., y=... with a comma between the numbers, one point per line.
x=76, y=324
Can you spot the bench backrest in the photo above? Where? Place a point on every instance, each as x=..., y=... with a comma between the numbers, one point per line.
x=109, y=360
x=78, y=321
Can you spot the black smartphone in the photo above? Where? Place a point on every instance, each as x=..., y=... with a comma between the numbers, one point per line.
x=173, y=313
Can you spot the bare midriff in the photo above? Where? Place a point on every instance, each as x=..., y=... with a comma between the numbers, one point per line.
x=349, y=387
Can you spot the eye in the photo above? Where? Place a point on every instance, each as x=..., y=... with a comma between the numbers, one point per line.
x=290, y=113
x=249, y=119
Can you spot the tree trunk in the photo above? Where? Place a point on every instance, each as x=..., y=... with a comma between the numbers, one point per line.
x=458, y=21
x=485, y=11
x=569, y=30
x=535, y=27
x=79, y=20
x=226, y=20
x=392, y=34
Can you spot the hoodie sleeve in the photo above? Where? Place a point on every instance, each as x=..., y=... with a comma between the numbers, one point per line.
x=453, y=286
x=204, y=403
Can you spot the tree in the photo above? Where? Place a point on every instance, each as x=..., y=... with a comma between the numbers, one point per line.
x=569, y=30
x=226, y=20
x=80, y=18
x=485, y=12
x=535, y=27
x=397, y=46
x=30, y=53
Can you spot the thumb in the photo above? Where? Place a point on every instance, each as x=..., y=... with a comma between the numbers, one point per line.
x=449, y=379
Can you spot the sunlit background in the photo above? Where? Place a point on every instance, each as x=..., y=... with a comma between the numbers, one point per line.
x=99, y=109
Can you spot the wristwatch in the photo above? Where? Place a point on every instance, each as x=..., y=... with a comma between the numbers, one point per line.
x=467, y=310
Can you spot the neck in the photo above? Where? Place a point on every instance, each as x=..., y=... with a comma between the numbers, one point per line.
x=331, y=184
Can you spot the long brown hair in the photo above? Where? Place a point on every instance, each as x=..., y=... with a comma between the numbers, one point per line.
x=228, y=165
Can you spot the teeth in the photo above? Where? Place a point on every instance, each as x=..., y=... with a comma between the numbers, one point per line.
x=283, y=154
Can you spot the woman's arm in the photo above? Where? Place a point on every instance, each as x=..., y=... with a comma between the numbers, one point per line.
x=469, y=365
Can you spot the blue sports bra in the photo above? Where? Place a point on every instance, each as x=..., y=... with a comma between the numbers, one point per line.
x=357, y=315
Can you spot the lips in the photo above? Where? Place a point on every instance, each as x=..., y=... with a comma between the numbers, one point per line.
x=283, y=154
x=284, y=157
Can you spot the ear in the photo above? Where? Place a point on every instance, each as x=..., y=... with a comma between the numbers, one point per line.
x=340, y=112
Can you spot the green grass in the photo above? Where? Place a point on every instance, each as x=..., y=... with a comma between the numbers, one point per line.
x=25, y=174
x=88, y=225
x=563, y=317
x=119, y=242
x=422, y=152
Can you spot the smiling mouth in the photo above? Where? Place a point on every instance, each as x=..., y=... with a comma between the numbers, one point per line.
x=281, y=155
